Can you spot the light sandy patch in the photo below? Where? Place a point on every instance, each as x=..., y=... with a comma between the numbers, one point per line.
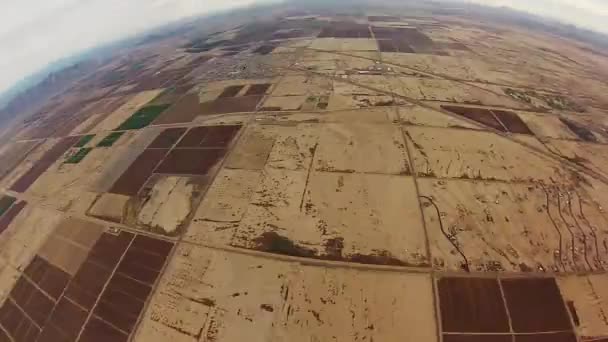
x=217, y=296
x=253, y=149
x=421, y=116
x=294, y=147
x=361, y=148
x=547, y=126
x=109, y=207
x=224, y=206
x=283, y=103
x=589, y=298
x=344, y=44
x=20, y=167
x=8, y=278
x=63, y=183
x=303, y=85
x=510, y=227
x=230, y=297
x=354, y=217
x=12, y=154
x=379, y=83
x=28, y=231
x=450, y=91
x=346, y=305
x=452, y=153
x=168, y=205
x=592, y=156
x=345, y=102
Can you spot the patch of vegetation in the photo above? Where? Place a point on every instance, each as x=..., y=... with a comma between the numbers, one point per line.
x=142, y=117
x=274, y=243
x=78, y=156
x=84, y=140
x=5, y=203
x=553, y=101
x=110, y=139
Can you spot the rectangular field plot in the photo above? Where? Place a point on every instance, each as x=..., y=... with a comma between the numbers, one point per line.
x=142, y=117
x=190, y=161
x=231, y=91
x=345, y=30
x=30, y=176
x=78, y=155
x=359, y=218
x=100, y=299
x=209, y=136
x=196, y=152
x=138, y=173
x=494, y=226
x=231, y=105
x=167, y=138
x=110, y=139
x=12, y=154
x=481, y=115
x=449, y=153
x=197, y=294
x=257, y=89
x=480, y=306
x=184, y=110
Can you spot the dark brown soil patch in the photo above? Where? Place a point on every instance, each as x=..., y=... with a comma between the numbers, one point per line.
x=345, y=30
x=581, y=131
x=184, y=110
x=10, y=214
x=535, y=305
x=481, y=115
x=167, y=138
x=477, y=338
x=555, y=337
x=231, y=91
x=472, y=305
x=230, y=105
x=140, y=170
x=512, y=121
x=257, y=89
x=190, y=161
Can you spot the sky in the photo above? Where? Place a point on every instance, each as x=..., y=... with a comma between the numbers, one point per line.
x=36, y=32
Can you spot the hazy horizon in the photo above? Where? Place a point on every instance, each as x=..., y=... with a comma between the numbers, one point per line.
x=36, y=34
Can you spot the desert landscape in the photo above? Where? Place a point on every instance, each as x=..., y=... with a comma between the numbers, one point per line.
x=434, y=177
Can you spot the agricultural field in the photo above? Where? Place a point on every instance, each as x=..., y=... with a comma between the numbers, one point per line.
x=376, y=176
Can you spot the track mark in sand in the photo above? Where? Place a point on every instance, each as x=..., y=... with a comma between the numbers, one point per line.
x=313, y=150
x=581, y=230
x=559, y=233
x=453, y=240
x=592, y=230
x=572, y=238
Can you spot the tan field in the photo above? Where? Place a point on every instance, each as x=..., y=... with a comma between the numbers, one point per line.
x=406, y=176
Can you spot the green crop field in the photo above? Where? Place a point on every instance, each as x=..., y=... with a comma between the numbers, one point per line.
x=78, y=156
x=110, y=139
x=5, y=203
x=84, y=140
x=142, y=117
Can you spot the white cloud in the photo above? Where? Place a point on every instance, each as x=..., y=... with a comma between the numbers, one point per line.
x=34, y=32
x=590, y=14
